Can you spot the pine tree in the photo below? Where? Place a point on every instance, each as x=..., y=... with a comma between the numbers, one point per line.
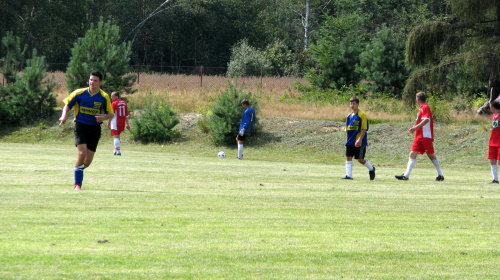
x=27, y=97
x=101, y=50
x=469, y=39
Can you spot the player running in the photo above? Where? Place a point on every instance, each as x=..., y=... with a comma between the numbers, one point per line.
x=92, y=106
x=120, y=121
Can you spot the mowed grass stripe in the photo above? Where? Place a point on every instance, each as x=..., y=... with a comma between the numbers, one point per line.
x=169, y=215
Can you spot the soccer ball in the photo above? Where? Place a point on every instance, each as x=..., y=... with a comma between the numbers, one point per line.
x=221, y=154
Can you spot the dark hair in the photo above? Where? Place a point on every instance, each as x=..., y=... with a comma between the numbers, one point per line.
x=97, y=74
x=421, y=96
x=116, y=93
x=354, y=99
x=245, y=102
x=495, y=104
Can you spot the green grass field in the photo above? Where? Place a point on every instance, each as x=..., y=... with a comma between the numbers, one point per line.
x=172, y=213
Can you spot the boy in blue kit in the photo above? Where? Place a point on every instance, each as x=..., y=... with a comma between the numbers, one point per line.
x=356, y=139
x=92, y=106
x=245, y=126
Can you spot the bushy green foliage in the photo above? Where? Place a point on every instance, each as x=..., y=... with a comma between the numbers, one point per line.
x=100, y=49
x=27, y=97
x=382, y=63
x=282, y=61
x=226, y=115
x=337, y=52
x=155, y=122
x=247, y=61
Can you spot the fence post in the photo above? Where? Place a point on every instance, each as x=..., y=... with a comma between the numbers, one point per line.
x=261, y=74
x=137, y=67
x=201, y=76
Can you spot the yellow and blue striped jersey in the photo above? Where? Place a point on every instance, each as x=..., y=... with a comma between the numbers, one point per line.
x=87, y=106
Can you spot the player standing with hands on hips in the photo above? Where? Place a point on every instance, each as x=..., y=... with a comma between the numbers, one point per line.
x=356, y=139
x=424, y=136
x=245, y=126
x=92, y=106
x=119, y=121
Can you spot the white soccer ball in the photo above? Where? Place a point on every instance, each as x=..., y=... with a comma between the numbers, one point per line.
x=221, y=154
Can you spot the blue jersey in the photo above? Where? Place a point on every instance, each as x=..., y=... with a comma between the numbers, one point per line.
x=247, y=121
x=354, y=124
x=87, y=106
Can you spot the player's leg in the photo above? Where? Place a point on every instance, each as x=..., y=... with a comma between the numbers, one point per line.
x=240, y=140
x=412, y=159
x=429, y=149
x=494, y=157
x=360, y=156
x=350, y=151
x=116, y=142
x=80, y=165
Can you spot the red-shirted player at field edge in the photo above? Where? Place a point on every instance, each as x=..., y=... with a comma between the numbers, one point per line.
x=119, y=121
x=424, y=136
x=494, y=143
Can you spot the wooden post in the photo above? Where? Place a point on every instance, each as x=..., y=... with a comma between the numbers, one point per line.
x=137, y=66
x=201, y=76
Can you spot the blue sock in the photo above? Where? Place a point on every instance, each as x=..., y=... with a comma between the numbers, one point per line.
x=78, y=175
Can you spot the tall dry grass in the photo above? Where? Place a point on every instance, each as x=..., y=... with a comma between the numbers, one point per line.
x=189, y=93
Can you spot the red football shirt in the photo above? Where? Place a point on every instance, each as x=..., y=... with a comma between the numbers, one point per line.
x=495, y=131
x=121, y=113
x=427, y=131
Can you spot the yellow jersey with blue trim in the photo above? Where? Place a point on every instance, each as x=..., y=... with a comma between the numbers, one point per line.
x=86, y=105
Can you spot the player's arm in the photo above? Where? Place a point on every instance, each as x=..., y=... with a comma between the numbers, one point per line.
x=127, y=124
x=359, y=141
x=419, y=125
x=64, y=115
x=101, y=118
x=109, y=109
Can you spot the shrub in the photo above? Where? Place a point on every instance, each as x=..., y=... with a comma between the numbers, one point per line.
x=28, y=97
x=226, y=114
x=247, y=61
x=155, y=123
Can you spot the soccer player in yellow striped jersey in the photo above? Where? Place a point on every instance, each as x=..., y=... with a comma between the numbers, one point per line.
x=356, y=139
x=92, y=106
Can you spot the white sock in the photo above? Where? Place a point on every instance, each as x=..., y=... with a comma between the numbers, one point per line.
x=438, y=167
x=117, y=144
x=494, y=172
x=409, y=167
x=348, y=168
x=240, y=150
x=368, y=165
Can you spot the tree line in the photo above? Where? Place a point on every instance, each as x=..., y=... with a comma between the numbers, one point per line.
x=384, y=46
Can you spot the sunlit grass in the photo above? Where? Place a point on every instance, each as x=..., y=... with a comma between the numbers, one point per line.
x=162, y=212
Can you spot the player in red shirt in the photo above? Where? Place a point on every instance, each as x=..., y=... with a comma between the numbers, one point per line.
x=494, y=143
x=424, y=136
x=119, y=121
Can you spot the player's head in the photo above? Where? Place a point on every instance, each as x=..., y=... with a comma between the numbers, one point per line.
x=115, y=95
x=95, y=80
x=245, y=103
x=495, y=106
x=421, y=96
x=98, y=74
x=354, y=103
